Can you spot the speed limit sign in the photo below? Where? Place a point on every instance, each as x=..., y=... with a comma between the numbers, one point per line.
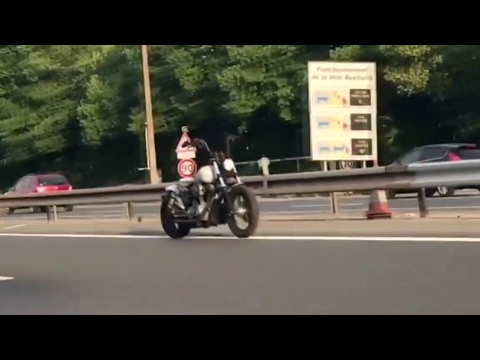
x=187, y=168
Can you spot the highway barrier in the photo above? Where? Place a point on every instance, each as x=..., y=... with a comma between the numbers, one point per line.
x=417, y=176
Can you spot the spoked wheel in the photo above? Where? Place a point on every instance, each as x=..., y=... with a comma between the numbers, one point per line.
x=171, y=228
x=445, y=191
x=244, y=222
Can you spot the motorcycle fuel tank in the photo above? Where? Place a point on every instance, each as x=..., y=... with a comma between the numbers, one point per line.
x=206, y=175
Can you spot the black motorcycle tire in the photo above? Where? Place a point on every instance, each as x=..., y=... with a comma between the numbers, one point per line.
x=173, y=230
x=253, y=211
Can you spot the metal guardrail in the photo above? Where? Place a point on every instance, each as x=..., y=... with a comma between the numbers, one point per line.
x=417, y=176
x=450, y=174
x=307, y=183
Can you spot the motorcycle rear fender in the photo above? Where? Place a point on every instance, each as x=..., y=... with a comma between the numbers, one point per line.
x=170, y=189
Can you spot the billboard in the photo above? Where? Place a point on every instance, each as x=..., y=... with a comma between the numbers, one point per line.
x=343, y=111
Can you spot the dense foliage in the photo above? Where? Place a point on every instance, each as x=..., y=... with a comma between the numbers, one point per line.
x=80, y=109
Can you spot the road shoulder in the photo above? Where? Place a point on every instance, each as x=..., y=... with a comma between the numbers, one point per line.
x=273, y=226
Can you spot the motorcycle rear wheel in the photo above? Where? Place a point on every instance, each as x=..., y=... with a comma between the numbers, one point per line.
x=171, y=228
x=252, y=211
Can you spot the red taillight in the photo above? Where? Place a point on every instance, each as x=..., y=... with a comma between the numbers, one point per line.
x=453, y=157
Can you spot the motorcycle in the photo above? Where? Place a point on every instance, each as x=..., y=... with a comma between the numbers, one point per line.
x=216, y=197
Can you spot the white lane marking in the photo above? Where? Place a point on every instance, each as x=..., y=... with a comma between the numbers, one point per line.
x=14, y=226
x=438, y=210
x=311, y=206
x=269, y=238
x=369, y=238
x=60, y=217
x=6, y=278
x=92, y=216
x=106, y=206
x=324, y=205
x=301, y=212
x=442, y=208
x=101, y=211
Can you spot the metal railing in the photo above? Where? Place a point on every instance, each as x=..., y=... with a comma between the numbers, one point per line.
x=417, y=176
x=294, y=165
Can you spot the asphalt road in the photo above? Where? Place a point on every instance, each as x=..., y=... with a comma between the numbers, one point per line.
x=153, y=275
x=464, y=201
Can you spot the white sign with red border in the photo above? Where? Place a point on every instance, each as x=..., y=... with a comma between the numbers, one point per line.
x=187, y=168
x=185, y=153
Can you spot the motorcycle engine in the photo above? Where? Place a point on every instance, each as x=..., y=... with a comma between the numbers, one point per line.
x=186, y=198
x=209, y=190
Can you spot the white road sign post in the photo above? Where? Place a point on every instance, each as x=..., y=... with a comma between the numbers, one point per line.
x=188, y=152
x=187, y=167
x=343, y=111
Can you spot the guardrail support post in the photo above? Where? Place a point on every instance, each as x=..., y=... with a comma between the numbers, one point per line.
x=422, y=203
x=264, y=163
x=47, y=211
x=55, y=215
x=334, y=203
x=265, y=185
x=128, y=211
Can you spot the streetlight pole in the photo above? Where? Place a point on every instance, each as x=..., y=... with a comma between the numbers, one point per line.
x=150, y=129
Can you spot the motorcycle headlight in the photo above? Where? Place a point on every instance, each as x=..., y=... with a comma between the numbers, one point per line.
x=229, y=165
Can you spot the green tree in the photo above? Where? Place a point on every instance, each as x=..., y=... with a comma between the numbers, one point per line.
x=63, y=105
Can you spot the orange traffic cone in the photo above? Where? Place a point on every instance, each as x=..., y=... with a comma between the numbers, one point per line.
x=378, y=206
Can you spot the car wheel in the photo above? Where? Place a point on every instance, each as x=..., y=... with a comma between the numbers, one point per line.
x=444, y=191
x=10, y=211
x=69, y=208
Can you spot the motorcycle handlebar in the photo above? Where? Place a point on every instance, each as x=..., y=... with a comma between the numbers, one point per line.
x=198, y=143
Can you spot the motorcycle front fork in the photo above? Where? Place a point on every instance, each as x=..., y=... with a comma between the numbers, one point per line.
x=229, y=201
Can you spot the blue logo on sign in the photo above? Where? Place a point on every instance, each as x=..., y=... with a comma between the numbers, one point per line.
x=323, y=124
x=342, y=148
x=322, y=98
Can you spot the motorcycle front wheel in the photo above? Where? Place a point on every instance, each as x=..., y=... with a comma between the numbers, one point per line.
x=245, y=209
x=171, y=228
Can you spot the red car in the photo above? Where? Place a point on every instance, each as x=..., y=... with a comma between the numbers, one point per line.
x=40, y=183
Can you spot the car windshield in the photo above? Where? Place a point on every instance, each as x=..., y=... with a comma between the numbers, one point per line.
x=52, y=180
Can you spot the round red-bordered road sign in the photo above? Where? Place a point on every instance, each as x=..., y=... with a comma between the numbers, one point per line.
x=187, y=168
